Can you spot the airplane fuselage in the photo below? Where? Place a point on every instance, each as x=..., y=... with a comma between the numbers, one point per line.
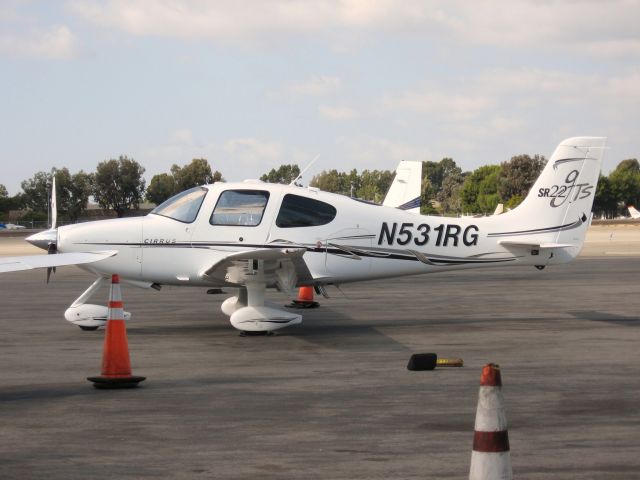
x=345, y=239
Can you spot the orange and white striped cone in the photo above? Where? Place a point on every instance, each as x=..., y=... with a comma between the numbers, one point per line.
x=490, y=459
x=305, y=299
x=116, y=365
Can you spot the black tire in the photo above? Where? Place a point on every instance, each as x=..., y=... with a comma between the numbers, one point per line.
x=88, y=329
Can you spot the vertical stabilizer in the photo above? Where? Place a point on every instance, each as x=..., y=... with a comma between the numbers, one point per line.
x=557, y=210
x=404, y=192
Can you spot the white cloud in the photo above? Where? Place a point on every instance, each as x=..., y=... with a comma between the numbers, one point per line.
x=318, y=85
x=451, y=106
x=54, y=42
x=366, y=152
x=253, y=151
x=231, y=20
x=337, y=112
x=226, y=20
x=183, y=135
x=585, y=26
x=509, y=80
x=567, y=88
x=501, y=125
x=236, y=158
x=614, y=47
x=499, y=98
x=534, y=23
x=469, y=114
x=624, y=88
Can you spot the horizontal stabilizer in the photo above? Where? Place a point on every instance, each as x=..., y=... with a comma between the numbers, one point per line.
x=538, y=245
x=14, y=264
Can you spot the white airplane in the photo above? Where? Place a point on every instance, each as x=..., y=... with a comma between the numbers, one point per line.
x=635, y=214
x=255, y=235
x=11, y=226
x=405, y=190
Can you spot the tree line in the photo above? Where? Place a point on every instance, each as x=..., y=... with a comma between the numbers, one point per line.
x=118, y=185
x=447, y=190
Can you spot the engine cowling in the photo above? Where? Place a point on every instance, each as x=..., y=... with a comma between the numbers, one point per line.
x=89, y=316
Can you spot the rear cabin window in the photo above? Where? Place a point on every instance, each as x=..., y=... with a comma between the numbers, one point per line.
x=184, y=206
x=240, y=207
x=297, y=211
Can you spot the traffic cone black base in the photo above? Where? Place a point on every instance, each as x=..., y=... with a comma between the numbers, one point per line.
x=110, y=383
x=302, y=304
x=305, y=299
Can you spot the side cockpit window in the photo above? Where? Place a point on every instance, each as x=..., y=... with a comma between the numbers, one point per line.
x=183, y=207
x=298, y=211
x=240, y=207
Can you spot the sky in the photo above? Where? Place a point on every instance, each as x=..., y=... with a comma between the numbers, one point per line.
x=253, y=84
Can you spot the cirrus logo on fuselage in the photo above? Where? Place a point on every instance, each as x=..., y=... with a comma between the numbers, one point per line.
x=154, y=241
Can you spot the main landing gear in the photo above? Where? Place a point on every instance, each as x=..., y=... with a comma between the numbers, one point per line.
x=249, y=312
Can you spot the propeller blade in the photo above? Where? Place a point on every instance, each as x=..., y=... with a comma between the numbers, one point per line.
x=51, y=250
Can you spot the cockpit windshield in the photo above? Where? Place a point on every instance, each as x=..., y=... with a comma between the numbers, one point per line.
x=184, y=206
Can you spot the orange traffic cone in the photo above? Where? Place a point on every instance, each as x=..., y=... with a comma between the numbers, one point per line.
x=305, y=299
x=490, y=458
x=116, y=366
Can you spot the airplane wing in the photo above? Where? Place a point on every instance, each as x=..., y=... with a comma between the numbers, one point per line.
x=14, y=264
x=289, y=260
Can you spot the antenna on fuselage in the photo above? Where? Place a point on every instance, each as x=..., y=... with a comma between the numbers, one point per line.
x=305, y=170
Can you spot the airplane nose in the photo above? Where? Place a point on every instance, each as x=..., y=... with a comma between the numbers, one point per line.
x=43, y=239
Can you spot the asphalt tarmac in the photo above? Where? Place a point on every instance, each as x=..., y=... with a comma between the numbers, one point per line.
x=331, y=398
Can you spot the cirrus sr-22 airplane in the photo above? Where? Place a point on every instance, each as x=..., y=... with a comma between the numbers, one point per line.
x=254, y=235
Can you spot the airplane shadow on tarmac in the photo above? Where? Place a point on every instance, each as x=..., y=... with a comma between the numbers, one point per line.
x=324, y=327
x=595, y=316
x=182, y=329
x=346, y=336
x=38, y=393
x=327, y=327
